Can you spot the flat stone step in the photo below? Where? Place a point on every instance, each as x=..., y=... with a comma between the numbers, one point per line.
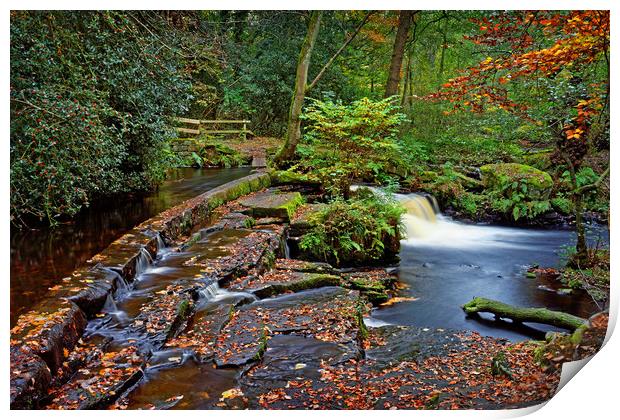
x=272, y=203
x=279, y=281
x=327, y=314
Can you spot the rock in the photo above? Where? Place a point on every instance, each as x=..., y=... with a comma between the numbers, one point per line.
x=302, y=221
x=101, y=380
x=278, y=282
x=539, y=183
x=203, y=332
x=50, y=331
x=100, y=284
x=304, y=266
x=373, y=284
x=293, y=357
x=244, y=252
x=469, y=183
x=273, y=204
x=269, y=221
x=290, y=177
x=328, y=314
x=30, y=378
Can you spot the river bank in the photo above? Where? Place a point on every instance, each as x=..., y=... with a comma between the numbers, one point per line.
x=209, y=299
x=41, y=257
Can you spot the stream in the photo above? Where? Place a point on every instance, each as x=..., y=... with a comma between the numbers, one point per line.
x=445, y=263
x=41, y=258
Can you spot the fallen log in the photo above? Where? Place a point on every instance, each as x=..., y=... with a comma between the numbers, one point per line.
x=517, y=314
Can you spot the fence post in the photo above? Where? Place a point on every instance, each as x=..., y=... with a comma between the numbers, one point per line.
x=244, y=132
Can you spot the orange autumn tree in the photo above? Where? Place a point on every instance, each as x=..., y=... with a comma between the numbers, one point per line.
x=552, y=69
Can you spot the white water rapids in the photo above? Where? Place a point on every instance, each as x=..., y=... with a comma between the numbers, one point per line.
x=425, y=226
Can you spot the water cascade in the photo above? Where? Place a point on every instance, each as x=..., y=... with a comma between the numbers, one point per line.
x=122, y=286
x=208, y=292
x=144, y=260
x=421, y=217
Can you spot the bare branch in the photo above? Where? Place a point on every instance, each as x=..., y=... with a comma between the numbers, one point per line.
x=340, y=50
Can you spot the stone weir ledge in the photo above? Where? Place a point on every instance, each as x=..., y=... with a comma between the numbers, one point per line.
x=43, y=338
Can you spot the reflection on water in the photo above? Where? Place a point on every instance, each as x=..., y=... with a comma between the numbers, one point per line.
x=40, y=258
x=446, y=263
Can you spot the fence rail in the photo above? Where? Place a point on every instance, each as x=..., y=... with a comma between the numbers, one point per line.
x=212, y=127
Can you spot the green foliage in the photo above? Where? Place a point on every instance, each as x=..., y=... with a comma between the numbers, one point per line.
x=562, y=205
x=359, y=230
x=512, y=198
x=249, y=223
x=260, y=51
x=348, y=142
x=196, y=159
x=596, y=200
x=447, y=187
x=218, y=154
x=89, y=92
x=465, y=138
x=519, y=191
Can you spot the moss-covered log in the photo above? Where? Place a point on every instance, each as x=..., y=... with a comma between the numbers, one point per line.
x=517, y=314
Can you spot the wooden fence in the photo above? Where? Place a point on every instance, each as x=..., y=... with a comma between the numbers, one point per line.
x=213, y=127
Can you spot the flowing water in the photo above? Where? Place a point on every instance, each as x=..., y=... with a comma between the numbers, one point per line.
x=445, y=263
x=41, y=258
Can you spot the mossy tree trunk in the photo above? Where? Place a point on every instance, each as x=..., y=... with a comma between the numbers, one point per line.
x=517, y=314
x=405, y=19
x=293, y=133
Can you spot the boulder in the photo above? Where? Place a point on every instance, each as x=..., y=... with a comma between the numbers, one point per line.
x=501, y=175
x=302, y=221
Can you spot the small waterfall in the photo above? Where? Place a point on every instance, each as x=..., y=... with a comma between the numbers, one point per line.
x=209, y=292
x=160, y=242
x=162, y=248
x=144, y=260
x=121, y=285
x=111, y=309
x=421, y=217
x=287, y=250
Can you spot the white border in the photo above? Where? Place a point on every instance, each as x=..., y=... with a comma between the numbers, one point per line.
x=591, y=394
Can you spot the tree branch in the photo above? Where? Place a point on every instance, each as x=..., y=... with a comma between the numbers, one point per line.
x=340, y=50
x=584, y=189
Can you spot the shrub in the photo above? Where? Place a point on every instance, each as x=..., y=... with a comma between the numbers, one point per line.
x=447, y=187
x=357, y=231
x=517, y=190
x=356, y=141
x=89, y=92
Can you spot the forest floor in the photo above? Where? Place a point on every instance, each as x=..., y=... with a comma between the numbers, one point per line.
x=289, y=334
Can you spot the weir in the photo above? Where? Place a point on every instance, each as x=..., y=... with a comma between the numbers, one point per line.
x=421, y=217
x=222, y=296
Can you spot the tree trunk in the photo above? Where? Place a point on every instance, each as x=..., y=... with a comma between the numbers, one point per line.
x=580, y=259
x=293, y=132
x=517, y=314
x=444, y=46
x=405, y=19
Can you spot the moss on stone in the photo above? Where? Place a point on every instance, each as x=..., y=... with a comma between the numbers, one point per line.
x=272, y=204
x=495, y=175
x=291, y=177
x=299, y=282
